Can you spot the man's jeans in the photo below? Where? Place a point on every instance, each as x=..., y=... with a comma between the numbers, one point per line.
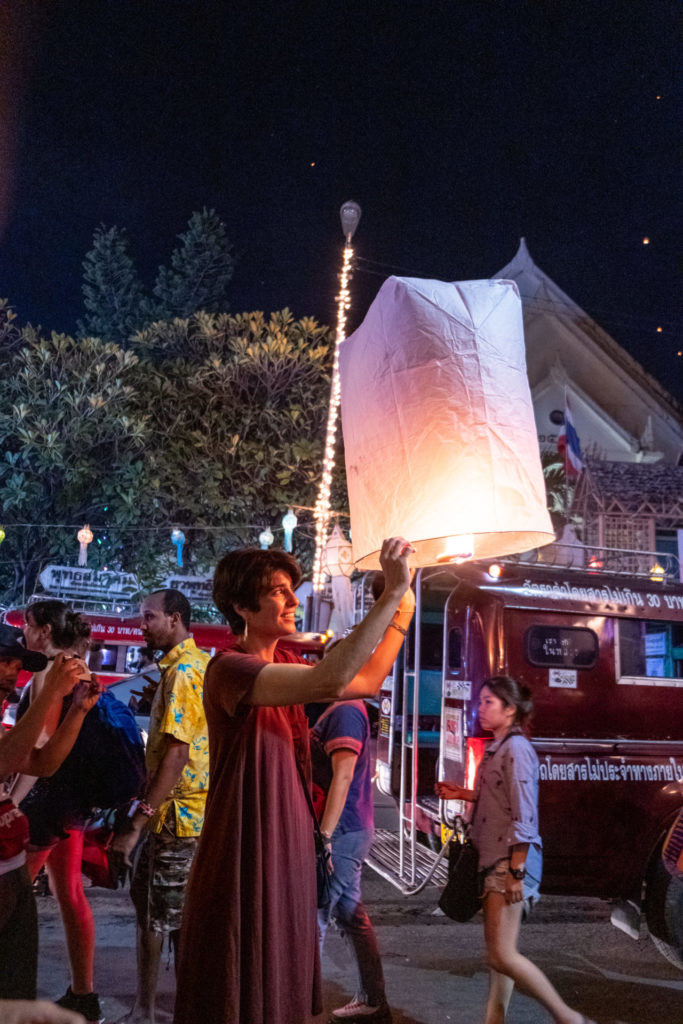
x=348, y=913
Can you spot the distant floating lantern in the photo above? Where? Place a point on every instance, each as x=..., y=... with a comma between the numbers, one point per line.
x=84, y=537
x=646, y=241
x=2, y=534
x=178, y=538
x=439, y=432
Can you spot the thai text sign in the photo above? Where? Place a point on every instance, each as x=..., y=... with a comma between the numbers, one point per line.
x=72, y=581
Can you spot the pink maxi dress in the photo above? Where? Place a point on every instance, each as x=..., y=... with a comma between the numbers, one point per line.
x=248, y=950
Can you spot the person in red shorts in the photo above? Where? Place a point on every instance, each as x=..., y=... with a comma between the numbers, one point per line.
x=18, y=752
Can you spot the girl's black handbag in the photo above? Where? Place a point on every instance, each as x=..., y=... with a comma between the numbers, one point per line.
x=461, y=897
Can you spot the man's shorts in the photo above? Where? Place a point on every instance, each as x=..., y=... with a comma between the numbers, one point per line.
x=159, y=880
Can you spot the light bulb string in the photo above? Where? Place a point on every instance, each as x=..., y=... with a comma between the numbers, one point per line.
x=322, y=512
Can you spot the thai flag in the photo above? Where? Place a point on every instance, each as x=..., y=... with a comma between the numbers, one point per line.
x=568, y=445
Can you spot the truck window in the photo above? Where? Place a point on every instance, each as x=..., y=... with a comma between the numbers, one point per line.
x=561, y=646
x=431, y=646
x=454, y=649
x=648, y=648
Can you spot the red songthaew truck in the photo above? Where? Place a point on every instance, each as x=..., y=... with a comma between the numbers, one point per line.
x=603, y=655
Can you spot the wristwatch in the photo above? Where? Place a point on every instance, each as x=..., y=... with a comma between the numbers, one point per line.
x=518, y=873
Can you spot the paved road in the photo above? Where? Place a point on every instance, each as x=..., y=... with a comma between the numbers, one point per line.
x=433, y=967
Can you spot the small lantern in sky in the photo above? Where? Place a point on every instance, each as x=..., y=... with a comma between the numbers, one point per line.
x=178, y=538
x=439, y=432
x=84, y=537
x=337, y=557
x=2, y=534
x=289, y=521
x=265, y=538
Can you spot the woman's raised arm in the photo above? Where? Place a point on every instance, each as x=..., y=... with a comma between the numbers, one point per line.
x=358, y=664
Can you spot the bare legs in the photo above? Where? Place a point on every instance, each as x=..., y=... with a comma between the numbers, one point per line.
x=149, y=954
x=63, y=864
x=509, y=968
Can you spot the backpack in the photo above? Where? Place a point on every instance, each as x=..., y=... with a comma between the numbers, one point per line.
x=321, y=771
x=109, y=755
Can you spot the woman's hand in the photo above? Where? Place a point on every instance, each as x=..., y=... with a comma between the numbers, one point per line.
x=514, y=890
x=87, y=694
x=447, y=791
x=65, y=674
x=394, y=561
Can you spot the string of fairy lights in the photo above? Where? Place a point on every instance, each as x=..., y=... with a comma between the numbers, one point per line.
x=350, y=215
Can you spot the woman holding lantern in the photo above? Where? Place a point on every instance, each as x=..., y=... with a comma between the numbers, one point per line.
x=249, y=943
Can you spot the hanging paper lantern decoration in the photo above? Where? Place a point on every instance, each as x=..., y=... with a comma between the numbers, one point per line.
x=265, y=538
x=439, y=431
x=337, y=557
x=84, y=537
x=178, y=538
x=289, y=521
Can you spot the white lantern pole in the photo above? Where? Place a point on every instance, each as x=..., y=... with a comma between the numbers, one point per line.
x=350, y=215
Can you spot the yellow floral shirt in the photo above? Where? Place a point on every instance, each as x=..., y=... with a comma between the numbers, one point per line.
x=178, y=712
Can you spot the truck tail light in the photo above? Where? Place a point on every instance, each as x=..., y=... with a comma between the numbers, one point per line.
x=476, y=745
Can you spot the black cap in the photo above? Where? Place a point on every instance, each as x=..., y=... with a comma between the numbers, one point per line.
x=12, y=646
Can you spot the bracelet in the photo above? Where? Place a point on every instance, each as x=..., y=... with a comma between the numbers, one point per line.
x=395, y=625
x=146, y=809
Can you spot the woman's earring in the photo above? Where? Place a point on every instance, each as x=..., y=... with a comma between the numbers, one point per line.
x=245, y=630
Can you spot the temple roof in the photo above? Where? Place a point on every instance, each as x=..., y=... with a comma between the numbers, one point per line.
x=634, y=488
x=542, y=299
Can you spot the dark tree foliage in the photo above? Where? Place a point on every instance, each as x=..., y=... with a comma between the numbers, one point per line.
x=112, y=291
x=115, y=300
x=214, y=422
x=201, y=268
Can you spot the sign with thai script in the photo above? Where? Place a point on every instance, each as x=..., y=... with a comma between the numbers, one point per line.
x=564, y=590
x=72, y=581
x=594, y=769
x=453, y=738
x=195, y=588
x=565, y=678
x=116, y=633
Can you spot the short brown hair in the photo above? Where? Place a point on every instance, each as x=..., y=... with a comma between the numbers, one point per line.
x=241, y=575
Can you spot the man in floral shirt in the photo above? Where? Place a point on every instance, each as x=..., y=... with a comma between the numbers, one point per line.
x=171, y=814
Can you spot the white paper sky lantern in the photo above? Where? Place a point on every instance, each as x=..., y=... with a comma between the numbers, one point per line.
x=439, y=432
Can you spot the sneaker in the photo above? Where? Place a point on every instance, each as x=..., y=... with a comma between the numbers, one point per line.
x=356, y=1012
x=87, y=1005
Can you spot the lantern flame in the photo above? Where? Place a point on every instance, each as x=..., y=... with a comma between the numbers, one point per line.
x=459, y=548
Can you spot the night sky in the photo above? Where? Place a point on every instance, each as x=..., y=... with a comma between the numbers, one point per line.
x=458, y=127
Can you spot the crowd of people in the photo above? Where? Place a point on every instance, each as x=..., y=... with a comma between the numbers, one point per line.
x=220, y=843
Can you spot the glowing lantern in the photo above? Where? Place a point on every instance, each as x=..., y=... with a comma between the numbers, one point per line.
x=439, y=431
x=2, y=534
x=84, y=537
x=657, y=573
x=337, y=561
x=178, y=538
x=289, y=521
x=337, y=554
x=265, y=538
